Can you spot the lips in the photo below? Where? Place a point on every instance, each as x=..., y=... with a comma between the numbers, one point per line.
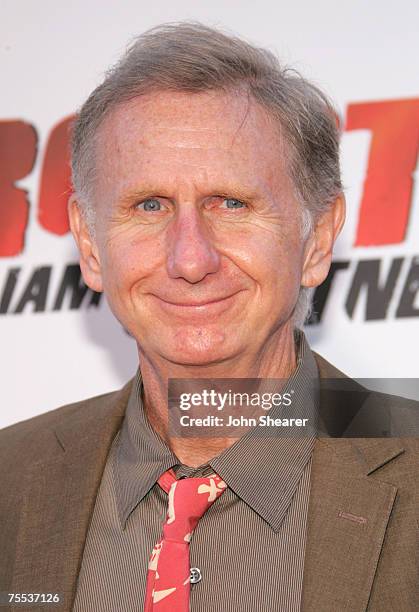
x=193, y=304
x=196, y=305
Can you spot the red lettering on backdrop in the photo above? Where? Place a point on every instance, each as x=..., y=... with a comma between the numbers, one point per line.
x=17, y=155
x=387, y=197
x=56, y=180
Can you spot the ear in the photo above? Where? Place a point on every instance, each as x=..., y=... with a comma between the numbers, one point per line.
x=319, y=248
x=89, y=258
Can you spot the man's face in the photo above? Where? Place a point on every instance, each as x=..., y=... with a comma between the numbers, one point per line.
x=198, y=230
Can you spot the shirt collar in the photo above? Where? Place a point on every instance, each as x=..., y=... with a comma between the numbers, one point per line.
x=141, y=455
x=266, y=456
x=262, y=455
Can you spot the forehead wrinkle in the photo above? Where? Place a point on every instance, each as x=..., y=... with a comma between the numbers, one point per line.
x=151, y=133
x=197, y=177
x=186, y=128
x=157, y=136
x=186, y=145
x=154, y=128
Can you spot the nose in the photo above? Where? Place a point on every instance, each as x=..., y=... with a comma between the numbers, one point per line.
x=191, y=254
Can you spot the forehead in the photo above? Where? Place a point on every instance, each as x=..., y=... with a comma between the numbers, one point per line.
x=211, y=135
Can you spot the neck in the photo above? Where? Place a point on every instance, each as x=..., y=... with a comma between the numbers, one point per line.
x=277, y=359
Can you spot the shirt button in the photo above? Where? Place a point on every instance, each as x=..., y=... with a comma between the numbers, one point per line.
x=196, y=575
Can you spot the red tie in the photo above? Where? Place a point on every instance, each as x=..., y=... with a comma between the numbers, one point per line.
x=168, y=578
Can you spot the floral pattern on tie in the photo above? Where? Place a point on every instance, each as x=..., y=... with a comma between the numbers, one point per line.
x=168, y=577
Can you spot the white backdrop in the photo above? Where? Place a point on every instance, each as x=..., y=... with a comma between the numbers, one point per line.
x=53, y=53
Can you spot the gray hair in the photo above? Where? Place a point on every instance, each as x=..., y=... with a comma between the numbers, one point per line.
x=191, y=57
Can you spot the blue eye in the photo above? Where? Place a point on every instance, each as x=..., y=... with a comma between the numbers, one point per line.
x=232, y=203
x=150, y=205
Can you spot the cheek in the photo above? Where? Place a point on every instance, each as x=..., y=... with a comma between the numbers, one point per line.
x=273, y=262
x=130, y=258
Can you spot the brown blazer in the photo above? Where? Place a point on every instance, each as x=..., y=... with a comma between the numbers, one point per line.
x=362, y=536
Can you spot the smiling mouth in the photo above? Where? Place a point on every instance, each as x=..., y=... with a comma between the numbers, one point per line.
x=198, y=305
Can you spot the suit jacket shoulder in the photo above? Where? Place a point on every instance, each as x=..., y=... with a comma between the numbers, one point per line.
x=349, y=409
x=28, y=438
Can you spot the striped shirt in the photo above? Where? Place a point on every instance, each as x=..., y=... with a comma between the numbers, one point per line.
x=249, y=545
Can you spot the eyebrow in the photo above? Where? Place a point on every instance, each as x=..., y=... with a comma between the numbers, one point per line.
x=138, y=194
x=227, y=192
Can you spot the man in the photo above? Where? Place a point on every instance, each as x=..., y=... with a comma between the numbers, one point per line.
x=206, y=205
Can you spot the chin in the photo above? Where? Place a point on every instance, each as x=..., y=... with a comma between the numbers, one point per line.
x=196, y=346
x=196, y=358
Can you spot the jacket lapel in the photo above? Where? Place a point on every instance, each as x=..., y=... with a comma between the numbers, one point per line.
x=60, y=493
x=347, y=518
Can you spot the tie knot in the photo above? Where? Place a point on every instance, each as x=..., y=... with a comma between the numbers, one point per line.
x=189, y=499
